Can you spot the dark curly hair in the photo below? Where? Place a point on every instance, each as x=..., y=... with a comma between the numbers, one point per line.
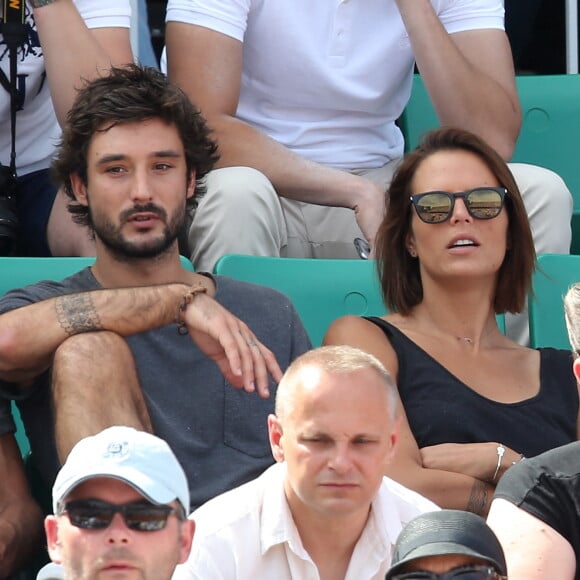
x=399, y=273
x=130, y=94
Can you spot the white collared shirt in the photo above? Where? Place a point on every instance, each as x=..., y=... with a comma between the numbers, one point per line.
x=248, y=533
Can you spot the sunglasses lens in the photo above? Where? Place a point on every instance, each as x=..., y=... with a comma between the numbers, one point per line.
x=434, y=208
x=89, y=517
x=145, y=518
x=484, y=204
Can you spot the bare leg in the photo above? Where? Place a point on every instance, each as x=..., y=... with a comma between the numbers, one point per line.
x=95, y=385
x=65, y=238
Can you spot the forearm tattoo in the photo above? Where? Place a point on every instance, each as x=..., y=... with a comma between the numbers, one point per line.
x=477, y=502
x=76, y=313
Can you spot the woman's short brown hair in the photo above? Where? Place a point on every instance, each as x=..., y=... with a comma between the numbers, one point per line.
x=399, y=272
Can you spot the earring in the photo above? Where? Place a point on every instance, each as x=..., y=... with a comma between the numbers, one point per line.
x=412, y=252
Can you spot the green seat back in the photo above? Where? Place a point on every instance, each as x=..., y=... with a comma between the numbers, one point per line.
x=321, y=290
x=555, y=274
x=551, y=120
x=18, y=272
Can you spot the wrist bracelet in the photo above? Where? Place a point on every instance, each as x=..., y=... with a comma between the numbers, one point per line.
x=41, y=3
x=185, y=302
x=500, y=451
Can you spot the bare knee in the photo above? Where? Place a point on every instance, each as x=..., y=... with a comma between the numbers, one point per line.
x=95, y=385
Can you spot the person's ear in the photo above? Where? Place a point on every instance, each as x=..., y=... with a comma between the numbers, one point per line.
x=79, y=189
x=576, y=369
x=394, y=439
x=191, y=185
x=187, y=532
x=410, y=245
x=275, y=433
x=52, y=538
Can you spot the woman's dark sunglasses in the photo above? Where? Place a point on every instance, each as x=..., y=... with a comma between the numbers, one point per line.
x=92, y=514
x=482, y=203
x=463, y=573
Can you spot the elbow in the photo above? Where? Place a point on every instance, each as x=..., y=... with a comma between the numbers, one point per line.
x=508, y=137
x=504, y=141
x=506, y=149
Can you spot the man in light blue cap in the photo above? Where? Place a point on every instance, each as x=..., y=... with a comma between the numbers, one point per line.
x=120, y=503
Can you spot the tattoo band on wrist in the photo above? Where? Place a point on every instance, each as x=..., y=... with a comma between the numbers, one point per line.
x=76, y=314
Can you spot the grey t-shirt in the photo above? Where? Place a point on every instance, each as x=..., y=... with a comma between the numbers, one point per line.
x=218, y=433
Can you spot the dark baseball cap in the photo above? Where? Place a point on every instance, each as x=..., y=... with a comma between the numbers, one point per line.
x=447, y=532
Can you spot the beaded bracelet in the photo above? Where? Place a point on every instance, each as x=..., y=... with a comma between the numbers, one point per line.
x=40, y=3
x=185, y=301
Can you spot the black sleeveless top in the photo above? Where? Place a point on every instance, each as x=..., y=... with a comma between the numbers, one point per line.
x=442, y=409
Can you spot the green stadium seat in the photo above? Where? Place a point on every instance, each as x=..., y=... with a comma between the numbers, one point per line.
x=321, y=290
x=555, y=274
x=551, y=121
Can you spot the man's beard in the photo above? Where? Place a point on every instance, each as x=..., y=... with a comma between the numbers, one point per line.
x=112, y=237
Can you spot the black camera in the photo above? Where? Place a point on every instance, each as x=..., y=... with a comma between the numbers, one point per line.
x=8, y=215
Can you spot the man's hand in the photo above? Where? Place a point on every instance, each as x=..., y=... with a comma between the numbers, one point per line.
x=241, y=357
x=369, y=212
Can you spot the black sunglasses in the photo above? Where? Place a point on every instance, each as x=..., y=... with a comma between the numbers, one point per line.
x=462, y=573
x=92, y=514
x=482, y=203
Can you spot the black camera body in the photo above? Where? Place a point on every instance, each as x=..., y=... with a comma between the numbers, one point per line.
x=8, y=214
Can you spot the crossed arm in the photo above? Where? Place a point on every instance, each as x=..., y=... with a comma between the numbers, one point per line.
x=25, y=352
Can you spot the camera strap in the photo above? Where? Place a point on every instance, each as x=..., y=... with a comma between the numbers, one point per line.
x=15, y=32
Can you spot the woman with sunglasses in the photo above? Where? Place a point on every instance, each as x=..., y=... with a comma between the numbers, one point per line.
x=454, y=250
